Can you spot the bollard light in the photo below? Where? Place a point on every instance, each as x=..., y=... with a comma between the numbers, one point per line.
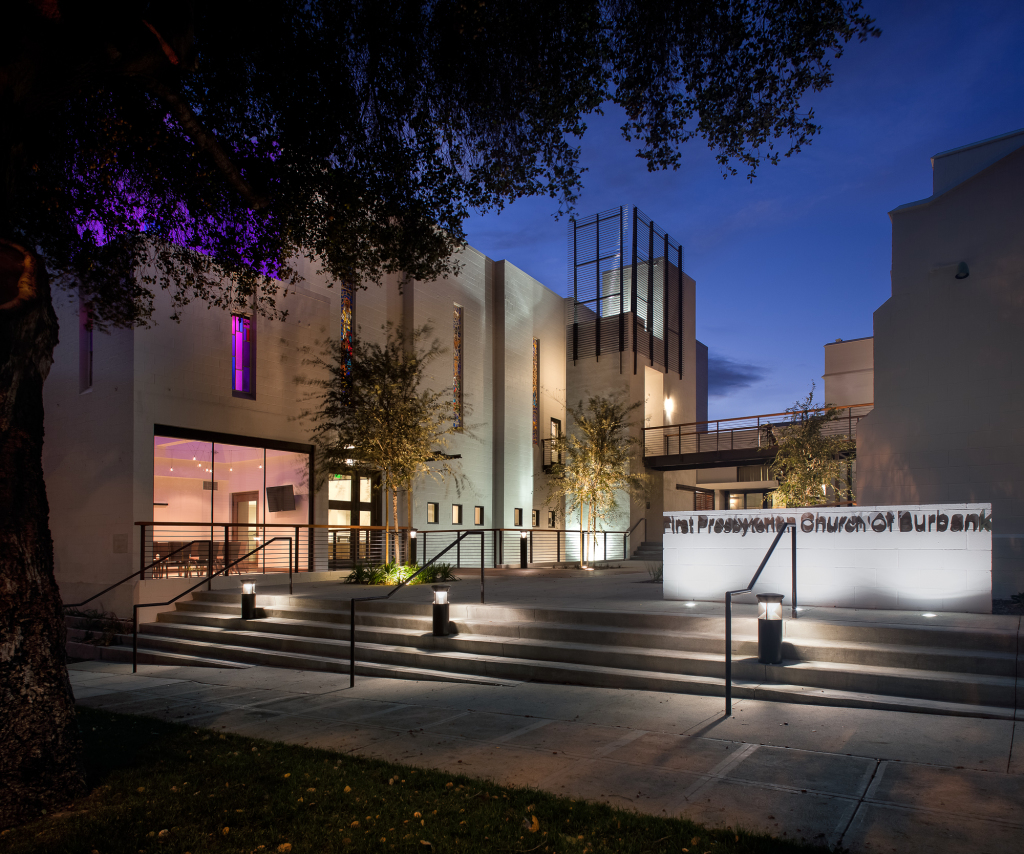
x=412, y=546
x=440, y=609
x=523, y=562
x=248, y=601
x=769, y=628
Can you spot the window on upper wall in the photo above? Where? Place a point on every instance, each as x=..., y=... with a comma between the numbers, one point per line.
x=433, y=509
x=517, y=516
x=535, y=518
x=536, y=391
x=478, y=515
x=551, y=518
x=457, y=367
x=243, y=356
x=348, y=319
x=456, y=514
x=84, y=347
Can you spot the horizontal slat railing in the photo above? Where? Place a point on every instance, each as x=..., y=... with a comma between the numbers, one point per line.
x=749, y=432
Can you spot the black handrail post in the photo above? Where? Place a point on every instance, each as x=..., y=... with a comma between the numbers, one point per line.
x=352, y=645
x=226, y=549
x=142, y=554
x=728, y=654
x=209, y=566
x=135, y=638
x=793, y=549
x=291, y=588
x=483, y=598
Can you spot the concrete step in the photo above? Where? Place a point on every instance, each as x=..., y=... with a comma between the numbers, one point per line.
x=243, y=655
x=335, y=624
x=381, y=659
x=413, y=648
x=988, y=640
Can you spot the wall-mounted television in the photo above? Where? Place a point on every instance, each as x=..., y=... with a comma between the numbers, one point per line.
x=280, y=498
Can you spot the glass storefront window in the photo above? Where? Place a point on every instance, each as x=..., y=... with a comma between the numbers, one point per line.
x=217, y=492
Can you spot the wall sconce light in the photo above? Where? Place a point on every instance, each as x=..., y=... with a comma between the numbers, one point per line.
x=412, y=546
x=440, y=609
x=769, y=628
x=248, y=601
x=523, y=562
x=962, y=272
x=669, y=405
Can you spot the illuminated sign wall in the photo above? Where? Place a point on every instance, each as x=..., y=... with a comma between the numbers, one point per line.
x=935, y=556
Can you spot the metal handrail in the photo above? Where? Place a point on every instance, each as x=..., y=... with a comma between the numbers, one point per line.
x=752, y=431
x=352, y=605
x=756, y=420
x=136, y=572
x=224, y=569
x=749, y=588
x=625, y=536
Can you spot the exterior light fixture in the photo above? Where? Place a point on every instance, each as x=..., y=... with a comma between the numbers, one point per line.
x=769, y=628
x=691, y=604
x=961, y=270
x=669, y=405
x=440, y=609
x=248, y=601
x=412, y=545
x=523, y=563
x=929, y=615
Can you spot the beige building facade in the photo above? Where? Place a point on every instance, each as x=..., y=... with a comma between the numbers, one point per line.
x=948, y=351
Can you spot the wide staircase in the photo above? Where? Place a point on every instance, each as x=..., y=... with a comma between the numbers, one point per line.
x=941, y=670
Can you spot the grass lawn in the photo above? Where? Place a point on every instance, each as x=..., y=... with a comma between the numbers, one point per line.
x=160, y=788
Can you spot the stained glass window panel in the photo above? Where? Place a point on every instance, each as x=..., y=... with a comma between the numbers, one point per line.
x=457, y=367
x=536, y=391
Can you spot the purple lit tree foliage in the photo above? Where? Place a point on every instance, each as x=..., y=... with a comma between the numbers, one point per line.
x=202, y=148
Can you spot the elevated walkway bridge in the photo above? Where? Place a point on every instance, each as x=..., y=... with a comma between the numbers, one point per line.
x=750, y=440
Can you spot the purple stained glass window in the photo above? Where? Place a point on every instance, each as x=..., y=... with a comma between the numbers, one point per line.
x=241, y=354
x=457, y=368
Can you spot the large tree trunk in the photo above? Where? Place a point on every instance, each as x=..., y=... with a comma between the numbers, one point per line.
x=40, y=745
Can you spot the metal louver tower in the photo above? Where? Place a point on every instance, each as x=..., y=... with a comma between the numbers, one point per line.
x=626, y=279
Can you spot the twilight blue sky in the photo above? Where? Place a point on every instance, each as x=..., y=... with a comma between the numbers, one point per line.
x=801, y=256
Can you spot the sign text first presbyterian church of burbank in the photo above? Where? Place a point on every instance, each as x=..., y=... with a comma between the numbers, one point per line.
x=932, y=557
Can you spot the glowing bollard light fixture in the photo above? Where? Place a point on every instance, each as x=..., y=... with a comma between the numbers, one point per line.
x=523, y=563
x=412, y=546
x=248, y=601
x=769, y=628
x=440, y=609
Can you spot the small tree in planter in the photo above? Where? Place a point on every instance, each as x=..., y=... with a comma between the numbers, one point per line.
x=809, y=461
x=596, y=458
x=371, y=412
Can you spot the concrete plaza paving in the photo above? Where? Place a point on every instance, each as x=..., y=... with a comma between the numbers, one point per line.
x=861, y=780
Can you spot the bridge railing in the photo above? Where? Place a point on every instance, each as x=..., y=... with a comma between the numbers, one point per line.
x=748, y=432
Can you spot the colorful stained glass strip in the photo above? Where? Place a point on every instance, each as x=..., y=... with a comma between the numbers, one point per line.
x=457, y=368
x=536, y=391
x=347, y=325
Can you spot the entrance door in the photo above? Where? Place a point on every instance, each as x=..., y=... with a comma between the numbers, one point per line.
x=245, y=536
x=354, y=499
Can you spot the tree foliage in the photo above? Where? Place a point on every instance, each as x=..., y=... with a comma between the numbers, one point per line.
x=201, y=148
x=598, y=463
x=813, y=463
x=370, y=411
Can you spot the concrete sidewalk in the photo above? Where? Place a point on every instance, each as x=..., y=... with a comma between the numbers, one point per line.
x=850, y=778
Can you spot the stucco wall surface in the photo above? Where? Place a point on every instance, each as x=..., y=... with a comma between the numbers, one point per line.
x=948, y=423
